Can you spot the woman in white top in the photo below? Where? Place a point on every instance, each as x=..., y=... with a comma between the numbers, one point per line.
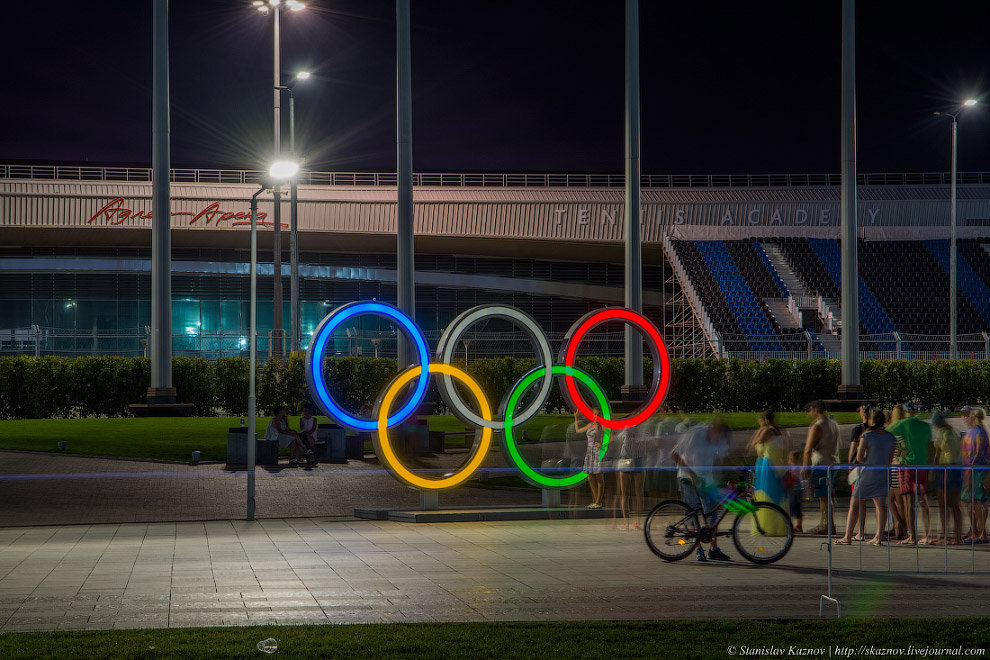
x=307, y=432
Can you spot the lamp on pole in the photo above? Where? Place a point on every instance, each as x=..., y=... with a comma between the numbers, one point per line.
x=279, y=172
x=294, y=335
x=274, y=7
x=953, y=310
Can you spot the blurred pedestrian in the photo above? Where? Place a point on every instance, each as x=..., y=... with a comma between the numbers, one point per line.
x=975, y=451
x=948, y=481
x=821, y=449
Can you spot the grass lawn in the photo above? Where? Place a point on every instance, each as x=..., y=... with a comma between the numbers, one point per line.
x=176, y=438
x=683, y=640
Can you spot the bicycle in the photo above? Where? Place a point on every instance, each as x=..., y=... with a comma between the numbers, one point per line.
x=762, y=531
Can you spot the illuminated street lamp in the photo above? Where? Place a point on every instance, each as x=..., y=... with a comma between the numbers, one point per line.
x=280, y=171
x=274, y=7
x=294, y=339
x=953, y=312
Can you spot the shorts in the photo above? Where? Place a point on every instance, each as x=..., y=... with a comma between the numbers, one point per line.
x=913, y=480
x=980, y=492
x=819, y=481
x=951, y=479
x=694, y=499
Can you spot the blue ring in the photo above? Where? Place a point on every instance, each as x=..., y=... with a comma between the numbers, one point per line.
x=318, y=346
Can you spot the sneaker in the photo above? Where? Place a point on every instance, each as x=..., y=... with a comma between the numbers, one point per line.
x=309, y=452
x=593, y=505
x=293, y=461
x=718, y=555
x=701, y=555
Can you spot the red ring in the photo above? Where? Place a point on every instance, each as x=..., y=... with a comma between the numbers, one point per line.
x=643, y=324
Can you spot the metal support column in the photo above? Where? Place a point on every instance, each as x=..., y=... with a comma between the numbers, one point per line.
x=850, y=270
x=161, y=242
x=295, y=340
x=277, y=331
x=405, y=250
x=633, y=248
x=953, y=281
x=252, y=443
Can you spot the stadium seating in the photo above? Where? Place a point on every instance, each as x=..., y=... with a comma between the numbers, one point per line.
x=903, y=287
x=974, y=300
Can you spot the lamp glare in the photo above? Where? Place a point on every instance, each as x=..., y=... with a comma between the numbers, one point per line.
x=283, y=169
x=302, y=75
x=969, y=102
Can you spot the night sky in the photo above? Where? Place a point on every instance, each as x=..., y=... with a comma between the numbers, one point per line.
x=500, y=86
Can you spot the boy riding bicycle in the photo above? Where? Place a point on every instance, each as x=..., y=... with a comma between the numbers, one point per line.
x=695, y=455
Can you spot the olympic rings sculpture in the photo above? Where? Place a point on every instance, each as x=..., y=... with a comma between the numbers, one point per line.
x=566, y=373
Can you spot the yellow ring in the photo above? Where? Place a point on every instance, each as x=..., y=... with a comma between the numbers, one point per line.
x=384, y=447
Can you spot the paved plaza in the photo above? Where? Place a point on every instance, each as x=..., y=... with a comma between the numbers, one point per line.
x=77, y=551
x=59, y=489
x=326, y=571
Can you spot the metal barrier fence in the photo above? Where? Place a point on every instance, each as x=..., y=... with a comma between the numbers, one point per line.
x=886, y=346
x=495, y=180
x=44, y=340
x=967, y=474
x=132, y=342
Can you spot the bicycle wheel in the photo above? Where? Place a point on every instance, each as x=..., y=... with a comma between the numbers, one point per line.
x=671, y=530
x=764, y=534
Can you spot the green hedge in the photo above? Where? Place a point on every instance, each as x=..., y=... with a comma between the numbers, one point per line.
x=50, y=387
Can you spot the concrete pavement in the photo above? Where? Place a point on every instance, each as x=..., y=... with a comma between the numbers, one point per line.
x=324, y=571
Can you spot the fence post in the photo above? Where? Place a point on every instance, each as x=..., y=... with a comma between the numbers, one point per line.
x=810, y=343
x=897, y=338
x=37, y=340
x=718, y=342
x=986, y=346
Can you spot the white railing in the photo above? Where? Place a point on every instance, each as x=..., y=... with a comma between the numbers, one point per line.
x=687, y=288
x=488, y=180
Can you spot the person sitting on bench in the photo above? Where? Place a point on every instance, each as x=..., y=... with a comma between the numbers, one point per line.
x=307, y=433
x=278, y=430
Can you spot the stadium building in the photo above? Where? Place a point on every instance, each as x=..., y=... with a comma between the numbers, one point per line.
x=738, y=265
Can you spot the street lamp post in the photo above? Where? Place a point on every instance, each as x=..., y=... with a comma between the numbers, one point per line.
x=280, y=171
x=295, y=340
x=953, y=281
x=275, y=8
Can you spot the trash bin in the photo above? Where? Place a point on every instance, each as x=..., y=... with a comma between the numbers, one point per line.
x=331, y=443
x=266, y=453
x=354, y=446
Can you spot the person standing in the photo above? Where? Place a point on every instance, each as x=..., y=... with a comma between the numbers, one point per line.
x=855, y=472
x=975, y=451
x=874, y=450
x=914, y=437
x=897, y=413
x=768, y=486
x=593, y=457
x=695, y=456
x=948, y=481
x=630, y=467
x=821, y=449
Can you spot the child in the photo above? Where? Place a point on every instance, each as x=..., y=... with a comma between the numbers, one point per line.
x=794, y=488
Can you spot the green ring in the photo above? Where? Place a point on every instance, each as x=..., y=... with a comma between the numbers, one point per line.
x=512, y=450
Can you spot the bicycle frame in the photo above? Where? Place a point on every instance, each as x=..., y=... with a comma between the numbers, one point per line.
x=723, y=507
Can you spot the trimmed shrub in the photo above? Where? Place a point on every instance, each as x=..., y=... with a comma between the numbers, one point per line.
x=231, y=385
x=50, y=387
x=195, y=382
